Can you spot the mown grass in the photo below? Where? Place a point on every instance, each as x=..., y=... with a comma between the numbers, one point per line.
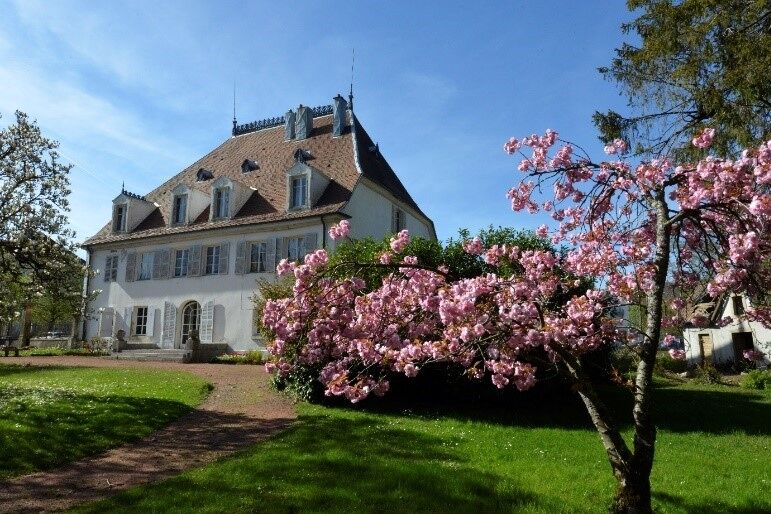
x=53, y=415
x=533, y=453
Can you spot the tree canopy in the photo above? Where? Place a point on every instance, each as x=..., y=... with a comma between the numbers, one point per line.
x=36, y=245
x=692, y=64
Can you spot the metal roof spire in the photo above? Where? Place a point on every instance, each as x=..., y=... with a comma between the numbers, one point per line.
x=234, y=108
x=350, y=94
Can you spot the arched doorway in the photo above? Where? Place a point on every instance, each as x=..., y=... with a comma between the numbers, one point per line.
x=191, y=320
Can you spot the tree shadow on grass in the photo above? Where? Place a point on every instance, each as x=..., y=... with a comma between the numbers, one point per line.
x=712, y=507
x=334, y=464
x=43, y=429
x=555, y=405
x=8, y=370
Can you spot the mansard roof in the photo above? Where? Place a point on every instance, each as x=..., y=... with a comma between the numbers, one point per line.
x=344, y=160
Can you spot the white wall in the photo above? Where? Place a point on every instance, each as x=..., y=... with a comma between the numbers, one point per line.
x=231, y=293
x=722, y=341
x=371, y=214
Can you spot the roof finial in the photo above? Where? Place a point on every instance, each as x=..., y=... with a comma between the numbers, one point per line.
x=234, y=108
x=350, y=94
x=123, y=187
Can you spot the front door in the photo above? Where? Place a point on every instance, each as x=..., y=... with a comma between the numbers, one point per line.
x=705, y=346
x=191, y=320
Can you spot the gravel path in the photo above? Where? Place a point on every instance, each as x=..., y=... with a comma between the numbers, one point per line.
x=242, y=410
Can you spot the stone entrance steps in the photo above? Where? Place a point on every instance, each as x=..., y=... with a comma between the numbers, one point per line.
x=149, y=354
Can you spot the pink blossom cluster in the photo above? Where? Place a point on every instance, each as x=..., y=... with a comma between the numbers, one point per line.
x=753, y=355
x=340, y=231
x=677, y=354
x=400, y=241
x=704, y=138
x=617, y=146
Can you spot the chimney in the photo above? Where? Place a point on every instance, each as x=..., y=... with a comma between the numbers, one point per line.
x=339, y=107
x=289, y=119
x=304, y=123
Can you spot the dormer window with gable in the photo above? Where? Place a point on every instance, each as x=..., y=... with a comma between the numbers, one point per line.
x=299, y=193
x=179, y=210
x=221, y=203
x=119, y=218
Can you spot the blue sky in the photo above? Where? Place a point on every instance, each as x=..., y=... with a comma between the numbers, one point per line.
x=136, y=92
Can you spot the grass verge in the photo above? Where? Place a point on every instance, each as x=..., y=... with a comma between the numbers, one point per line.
x=53, y=415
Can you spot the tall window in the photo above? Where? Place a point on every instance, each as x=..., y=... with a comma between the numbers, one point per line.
x=295, y=248
x=111, y=268
x=257, y=258
x=180, y=210
x=146, y=267
x=397, y=220
x=181, y=258
x=221, y=202
x=119, y=219
x=299, y=192
x=140, y=322
x=212, y=260
x=738, y=305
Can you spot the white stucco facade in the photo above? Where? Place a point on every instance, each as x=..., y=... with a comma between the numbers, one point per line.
x=371, y=209
x=229, y=294
x=722, y=346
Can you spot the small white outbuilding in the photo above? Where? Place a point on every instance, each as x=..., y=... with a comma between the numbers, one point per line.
x=724, y=346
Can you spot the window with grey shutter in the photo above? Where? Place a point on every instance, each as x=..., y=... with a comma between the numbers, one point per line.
x=194, y=264
x=224, y=258
x=240, y=258
x=270, y=256
x=131, y=267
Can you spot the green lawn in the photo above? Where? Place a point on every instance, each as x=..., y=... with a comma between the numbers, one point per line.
x=535, y=454
x=53, y=415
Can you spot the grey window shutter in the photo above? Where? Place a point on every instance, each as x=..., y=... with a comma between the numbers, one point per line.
x=131, y=267
x=224, y=257
x=165, y=264
x=270, y=255
x=157, y=257
x=106, y=272
x=311, y=242
x=241, y=262
x=282, y=248
x=207, y=322
x=194, y=263
x=150, y=321
x=169, y=325
x=127, y=321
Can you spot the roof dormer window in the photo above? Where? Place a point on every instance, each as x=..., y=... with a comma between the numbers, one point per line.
x=179, y=210
x=299, y=192
x=221, y=203
x=119, y=218
x=249, y=165
x=203, y=175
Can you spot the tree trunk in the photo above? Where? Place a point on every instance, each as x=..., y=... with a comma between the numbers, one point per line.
x=634, y=494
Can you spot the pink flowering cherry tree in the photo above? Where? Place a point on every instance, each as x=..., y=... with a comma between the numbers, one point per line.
x=633, y=228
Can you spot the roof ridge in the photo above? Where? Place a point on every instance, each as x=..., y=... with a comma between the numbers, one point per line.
x=254, y=126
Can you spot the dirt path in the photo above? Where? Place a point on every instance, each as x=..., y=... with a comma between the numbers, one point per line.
x=241, y=411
